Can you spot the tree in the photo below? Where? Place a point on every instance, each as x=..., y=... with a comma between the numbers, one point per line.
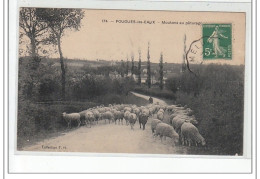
x=58, y=20
x=161, y=71
x=133, y=65
x=139, y=69
x=34, y=29
x=148, y=67
x=122, y=68
x=127, y=66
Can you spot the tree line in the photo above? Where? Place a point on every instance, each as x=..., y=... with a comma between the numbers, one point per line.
x=47, y=26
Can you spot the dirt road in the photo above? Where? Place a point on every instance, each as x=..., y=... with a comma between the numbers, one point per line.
x=109, y=138
x=155, y=100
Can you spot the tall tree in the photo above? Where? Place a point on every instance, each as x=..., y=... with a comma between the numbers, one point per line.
x=34, y=29
x=122, y=68
x=148, y=67
x=183, y=66
x=127, y=66
x=133, y=65
x=139, y=69
x=59, y=20
x=161, y=71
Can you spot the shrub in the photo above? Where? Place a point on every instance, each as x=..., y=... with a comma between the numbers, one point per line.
x=218, y=105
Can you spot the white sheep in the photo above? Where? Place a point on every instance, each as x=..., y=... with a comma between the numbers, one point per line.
x=161, y=110
x=97, y=115
x=160, y=115
x=118, y=116
x=152, y=110
x=128, y=109
x=71, y=117
x=132, y=119
x=165, y=130
x=190, y=133
x=180, y=119
x=126, y=117
x=137, y=111
x=145, y=111
x=89, y=118
x=108, y=115
x=170, y=109
x=154, y=123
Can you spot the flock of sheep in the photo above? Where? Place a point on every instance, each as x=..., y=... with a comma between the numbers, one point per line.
x=181, y=127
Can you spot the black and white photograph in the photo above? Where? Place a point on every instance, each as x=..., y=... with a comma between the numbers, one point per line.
x=131, y=81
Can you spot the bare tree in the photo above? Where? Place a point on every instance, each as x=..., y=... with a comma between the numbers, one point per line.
x=58, y=20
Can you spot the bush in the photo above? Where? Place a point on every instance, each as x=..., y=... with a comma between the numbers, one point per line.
x=218, y=105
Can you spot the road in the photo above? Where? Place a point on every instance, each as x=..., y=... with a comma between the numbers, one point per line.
x=109, y=138
x=155, y=100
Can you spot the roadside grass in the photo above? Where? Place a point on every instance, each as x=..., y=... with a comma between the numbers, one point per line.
x=40, y=120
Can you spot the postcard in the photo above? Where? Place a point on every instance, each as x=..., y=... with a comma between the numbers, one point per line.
x=131, y=81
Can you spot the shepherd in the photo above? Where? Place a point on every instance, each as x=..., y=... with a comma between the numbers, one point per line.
x=151, y=100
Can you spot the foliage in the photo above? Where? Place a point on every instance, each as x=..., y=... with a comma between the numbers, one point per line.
x=58, y=20
x=217, y=96
x=133, y=65
x=139, y=69
x=161, y=72
x=34, y=29
x=148, y=69
x=92, y=86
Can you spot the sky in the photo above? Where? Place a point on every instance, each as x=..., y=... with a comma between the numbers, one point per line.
x=111, y=35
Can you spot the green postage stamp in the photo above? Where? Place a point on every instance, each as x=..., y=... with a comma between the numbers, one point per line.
x=217, y=41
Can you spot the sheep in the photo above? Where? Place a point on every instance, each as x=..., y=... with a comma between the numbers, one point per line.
x=189, y=112
x=160, y=116
x=161, y=110
x=132, y=119
x=71, y=117
x=89, y=118
x=101, y=110
x=179, y=120
x=165, y=130
x=170, y=109
x=121, y=116
x=97, y=115
x=154, y=124
x=143, y=120
x=108, y=116
x=152, y=110
x=128, y=109
x=118, y=116
x=126, y=117
x=190, y=133
x=82, y=116
x=137, y=111
x=172, y=116
x=145, y=111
